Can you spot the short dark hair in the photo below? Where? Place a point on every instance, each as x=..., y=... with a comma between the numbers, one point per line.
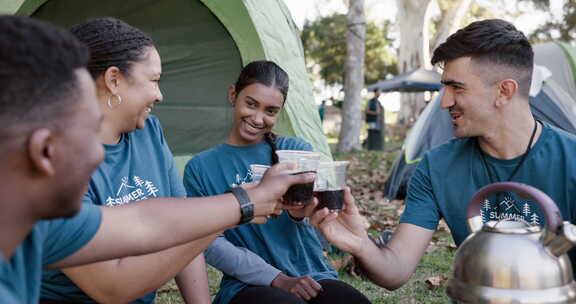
x=492, y=41
x=112, y=42
x=38, y=64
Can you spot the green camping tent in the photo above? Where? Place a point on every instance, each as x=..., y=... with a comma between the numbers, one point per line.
x=203, y=44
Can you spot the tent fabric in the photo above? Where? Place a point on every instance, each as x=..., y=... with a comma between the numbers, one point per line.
x=559, y=58
x=203, y=44
x=552, y=104
x=417, y=80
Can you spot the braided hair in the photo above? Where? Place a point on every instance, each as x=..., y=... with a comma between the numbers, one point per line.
x=112, y=42
x=269, y=74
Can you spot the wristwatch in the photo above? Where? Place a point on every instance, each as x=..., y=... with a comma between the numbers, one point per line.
x=246, y=205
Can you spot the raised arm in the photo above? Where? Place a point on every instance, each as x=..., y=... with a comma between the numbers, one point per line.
x=389, y=267
x=156, y=224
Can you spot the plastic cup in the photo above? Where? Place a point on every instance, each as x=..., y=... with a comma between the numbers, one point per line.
x=306, y=161
x=330, y=184
x=257, y=172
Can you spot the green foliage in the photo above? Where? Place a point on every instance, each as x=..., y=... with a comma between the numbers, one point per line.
x=325, y=44
x=563, y=29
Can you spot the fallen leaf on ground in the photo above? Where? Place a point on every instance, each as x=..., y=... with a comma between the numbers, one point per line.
x=435, y=281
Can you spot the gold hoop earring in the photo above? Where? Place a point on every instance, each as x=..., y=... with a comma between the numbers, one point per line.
x=117, y=98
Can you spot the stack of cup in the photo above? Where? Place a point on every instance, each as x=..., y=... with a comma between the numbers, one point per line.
x=330, y=184
x=257, y=172
x=306, y=161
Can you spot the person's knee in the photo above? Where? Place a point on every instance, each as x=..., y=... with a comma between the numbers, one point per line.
x=265, y=294
x=335, y=292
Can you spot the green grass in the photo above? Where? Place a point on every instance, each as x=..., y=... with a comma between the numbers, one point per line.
x=368, y=171
x=438, y=262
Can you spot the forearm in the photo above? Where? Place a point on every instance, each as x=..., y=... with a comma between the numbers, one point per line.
x=126, y=279
x=156, y=224
x=394, y=264
x=383, y=266
x=193, y=282
x=240, y=263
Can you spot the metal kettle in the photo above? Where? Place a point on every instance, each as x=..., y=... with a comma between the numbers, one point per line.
x=509, y=262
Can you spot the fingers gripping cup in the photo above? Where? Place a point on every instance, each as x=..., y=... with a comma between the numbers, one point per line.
x=330, y=184
x=306, y=161
x=257, y=172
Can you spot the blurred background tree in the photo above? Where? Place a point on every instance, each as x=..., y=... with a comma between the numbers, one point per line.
x=324, y=42
x=563, y=28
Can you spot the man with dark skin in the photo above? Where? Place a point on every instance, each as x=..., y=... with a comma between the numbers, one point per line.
x=486, y=77
x=50, y=148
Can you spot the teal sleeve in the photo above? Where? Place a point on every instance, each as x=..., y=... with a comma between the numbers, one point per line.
x=176, y=186
x=421, y=207
x=192, y=182
x=66, y=236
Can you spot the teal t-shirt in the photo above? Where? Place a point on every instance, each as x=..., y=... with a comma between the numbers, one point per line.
x=48, y=242
x=140, y=166
x=291, y=247
x=448, y=177
x=6, y=294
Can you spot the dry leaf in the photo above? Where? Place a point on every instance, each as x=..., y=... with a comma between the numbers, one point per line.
x=168, y=289
x=435, y=281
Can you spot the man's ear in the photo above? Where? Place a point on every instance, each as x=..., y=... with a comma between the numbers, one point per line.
x=507, y=90
x=232, y=95
x=41, y=151
x=112, y=77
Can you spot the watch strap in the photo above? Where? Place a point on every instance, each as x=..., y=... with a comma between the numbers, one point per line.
x=246, y=205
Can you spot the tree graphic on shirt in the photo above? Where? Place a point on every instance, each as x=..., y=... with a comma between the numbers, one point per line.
x=486, y=204
x=110, y=202
x=150, y=188
x=138, y=181
x=526, y=210
x=535, y=219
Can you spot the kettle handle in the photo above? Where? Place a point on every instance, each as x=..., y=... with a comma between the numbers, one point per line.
x=551, y=212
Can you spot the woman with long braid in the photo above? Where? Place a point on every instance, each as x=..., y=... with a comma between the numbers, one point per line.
x=280, y=261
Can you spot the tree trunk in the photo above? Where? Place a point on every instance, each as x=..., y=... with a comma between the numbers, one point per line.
x=353, y=79
x=414, y=51
x=451, y=20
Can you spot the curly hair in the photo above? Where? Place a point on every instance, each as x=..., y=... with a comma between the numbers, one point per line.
x=38, y=64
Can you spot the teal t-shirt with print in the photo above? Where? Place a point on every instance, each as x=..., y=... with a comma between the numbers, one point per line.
x=47, y=243
x=448, y=177
x=291, y=247
x=140, y=166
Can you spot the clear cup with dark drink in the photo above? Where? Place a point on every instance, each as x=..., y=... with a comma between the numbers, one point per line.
x=330, y=183
x=257, y=172
x=306, y=161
